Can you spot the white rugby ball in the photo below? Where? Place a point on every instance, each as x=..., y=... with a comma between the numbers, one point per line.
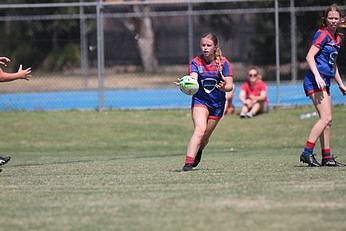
x=188, y=85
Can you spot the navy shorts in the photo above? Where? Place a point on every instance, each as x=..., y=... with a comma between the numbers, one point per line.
x=214, y=112
x=310, y=85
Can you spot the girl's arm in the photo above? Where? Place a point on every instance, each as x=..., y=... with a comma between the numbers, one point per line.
x=226, y=84
x=310, y=58
x=20, y=74
x=242, y=97
x=261, y=97
x=338, y=80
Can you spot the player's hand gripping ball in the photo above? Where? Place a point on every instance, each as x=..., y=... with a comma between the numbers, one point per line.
x=188, y=85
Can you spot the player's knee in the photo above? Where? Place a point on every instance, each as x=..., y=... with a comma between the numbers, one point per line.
x=200, y=131
x=327, y=120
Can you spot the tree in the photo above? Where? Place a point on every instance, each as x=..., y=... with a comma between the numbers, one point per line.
x=145, y=38
x=261, y=48
x=43, y=44
x=144, y=35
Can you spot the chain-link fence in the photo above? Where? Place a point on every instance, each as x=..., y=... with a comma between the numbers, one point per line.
x=127, y=54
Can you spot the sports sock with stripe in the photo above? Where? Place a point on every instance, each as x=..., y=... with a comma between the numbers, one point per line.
x=326, y=153
x=309, y=148
x=189, y=160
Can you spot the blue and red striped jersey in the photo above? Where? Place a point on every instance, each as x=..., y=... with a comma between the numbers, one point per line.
x=208, y=77
x=329, y=48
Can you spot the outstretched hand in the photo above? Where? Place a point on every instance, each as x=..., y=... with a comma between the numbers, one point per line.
x=24, y=73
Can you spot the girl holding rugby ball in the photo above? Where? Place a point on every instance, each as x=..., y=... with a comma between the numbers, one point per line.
x=214, y=74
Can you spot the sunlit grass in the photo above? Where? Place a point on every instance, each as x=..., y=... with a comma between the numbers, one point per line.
x=120, y=170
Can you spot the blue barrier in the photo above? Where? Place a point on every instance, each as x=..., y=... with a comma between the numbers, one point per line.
x=289, y=95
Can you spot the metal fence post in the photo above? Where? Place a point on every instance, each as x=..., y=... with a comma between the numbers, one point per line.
x=83, y=47
x=100, y=56
x=293, y=42
x=190, y=30
x=277, y=52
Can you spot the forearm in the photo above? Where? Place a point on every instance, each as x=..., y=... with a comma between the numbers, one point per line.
x=338, y=79
x=310, y=59
x=7, y=77
x=313, y=67
x=259, y=98
x=243, y=100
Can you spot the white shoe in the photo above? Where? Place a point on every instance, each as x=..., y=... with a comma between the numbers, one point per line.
x=249, y=115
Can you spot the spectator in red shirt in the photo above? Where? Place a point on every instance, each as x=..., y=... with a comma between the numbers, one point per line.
x=253, y=95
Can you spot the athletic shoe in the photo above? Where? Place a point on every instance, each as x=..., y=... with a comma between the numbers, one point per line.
x=197, y=158
x=331, y=162
x=187, y=167
x=4, y=160
x=309, y=159
x=242, y=115
x=249, y=115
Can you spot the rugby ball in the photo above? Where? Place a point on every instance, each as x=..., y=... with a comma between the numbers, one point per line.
x=188, y=85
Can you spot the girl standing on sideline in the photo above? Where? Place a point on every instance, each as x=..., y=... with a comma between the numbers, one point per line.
x=7, y=77
x=321, y=59
x=214, y=74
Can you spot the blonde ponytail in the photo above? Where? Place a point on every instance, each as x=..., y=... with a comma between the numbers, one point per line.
x=218, y=54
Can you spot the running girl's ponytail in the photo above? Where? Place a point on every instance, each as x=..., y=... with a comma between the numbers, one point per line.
x=218, y=54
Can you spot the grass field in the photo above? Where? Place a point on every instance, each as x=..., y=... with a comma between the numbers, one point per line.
x=120, y=170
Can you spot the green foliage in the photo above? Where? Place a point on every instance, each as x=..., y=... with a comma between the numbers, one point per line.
x=220, y=24
x=37, y=43
x=262, y=39
x=60, y=58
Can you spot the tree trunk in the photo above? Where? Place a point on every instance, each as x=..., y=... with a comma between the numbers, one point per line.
x=145, y=41
x=145, y=38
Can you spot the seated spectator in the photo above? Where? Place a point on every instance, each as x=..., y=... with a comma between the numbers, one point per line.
x=253, y=95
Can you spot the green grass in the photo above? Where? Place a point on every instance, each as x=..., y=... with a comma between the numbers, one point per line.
x=120, y=170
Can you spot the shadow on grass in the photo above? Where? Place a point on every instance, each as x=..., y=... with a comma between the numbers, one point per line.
x=93, y=160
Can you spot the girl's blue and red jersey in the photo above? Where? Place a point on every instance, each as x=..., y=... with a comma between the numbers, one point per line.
x=208, y=77
x=325, y=59
x=329, y=49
